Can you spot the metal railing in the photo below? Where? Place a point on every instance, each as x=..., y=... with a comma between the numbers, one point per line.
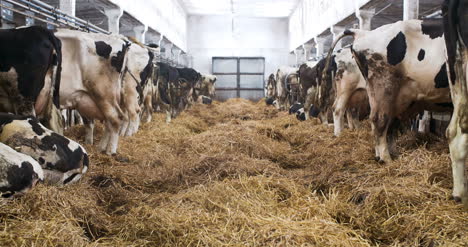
x=52, y=15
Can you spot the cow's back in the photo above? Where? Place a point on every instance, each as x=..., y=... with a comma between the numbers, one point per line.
x=415, y=49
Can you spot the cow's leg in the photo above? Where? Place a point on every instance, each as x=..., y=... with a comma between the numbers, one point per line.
x=381, y=122
x=457, y=131
x=110, y=139
x=125, y=123
x=458, y=144
x=78, y=118
x=339, y=110
x=147, y=110
x=349, y=117
x=134, y=123
x=71, y=118
x=168, y=116
x=323, y=116
x=89, y=129
x=354, y=115
x=392, y=134
x=64, y=118
x=424, y=122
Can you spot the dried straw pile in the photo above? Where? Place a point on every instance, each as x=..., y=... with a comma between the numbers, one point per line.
x=242, y=174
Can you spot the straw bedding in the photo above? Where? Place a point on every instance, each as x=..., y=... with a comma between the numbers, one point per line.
x=243, y=174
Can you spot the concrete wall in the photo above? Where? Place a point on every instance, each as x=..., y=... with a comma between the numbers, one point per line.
x=217, y=35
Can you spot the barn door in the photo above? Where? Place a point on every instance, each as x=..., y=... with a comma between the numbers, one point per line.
x=239, y=77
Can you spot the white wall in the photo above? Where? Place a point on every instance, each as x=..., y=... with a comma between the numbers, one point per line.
x=165, y=16
x=312, y=17
x=221, y=35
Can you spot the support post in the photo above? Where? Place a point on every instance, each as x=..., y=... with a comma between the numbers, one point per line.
x=365, y=18
x=410, y=9
x=68, y=7
x=307, y=48
x=113, y=19
x=319, y=46
x=337, y=30
x=140, y=33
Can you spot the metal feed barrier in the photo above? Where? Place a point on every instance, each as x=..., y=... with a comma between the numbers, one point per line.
x=34, y=10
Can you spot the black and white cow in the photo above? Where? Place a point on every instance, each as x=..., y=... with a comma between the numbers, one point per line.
x=456, y=38
x=92, y=81
x=349, y=96
x=189, y=79
x=404, y=66
x=310, y=78
x=170, y=90
x=287, y=87
x=301, y=113
x=30, y=67
x=207, y=86
x=64, y=161
x=18, y=172
x=137, y=82
x=298, y=109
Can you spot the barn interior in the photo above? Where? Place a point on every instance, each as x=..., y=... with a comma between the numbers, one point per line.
x=239, y=172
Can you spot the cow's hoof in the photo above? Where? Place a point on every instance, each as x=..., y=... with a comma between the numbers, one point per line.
x=120, y=158
x=457, y=199
x=377, y=158
x=382, y=162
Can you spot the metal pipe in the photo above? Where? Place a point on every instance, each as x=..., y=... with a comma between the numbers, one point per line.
x=435, y=14
x=51, y=12
x=44, y=5
x=30, y=16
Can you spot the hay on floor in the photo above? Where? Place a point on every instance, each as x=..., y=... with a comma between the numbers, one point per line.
x=240, y=173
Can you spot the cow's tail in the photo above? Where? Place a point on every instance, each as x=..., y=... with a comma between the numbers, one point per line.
x=53, y=115
x=323, y=83
x=58, y=70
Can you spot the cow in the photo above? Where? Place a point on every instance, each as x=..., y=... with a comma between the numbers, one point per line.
x=298, y=109
x=150, y=91
x=309, y=80
x=287, y=87
x=30, y=68
x=206, y=87
x=137, y=81
x=456, y=40
x=18, y=172
x=92, y=81
x=169, y=90
x=270, y=88
x=404, y=66
x=301, y=113
x=64, y=161
x=191, y=79
x=350, y=95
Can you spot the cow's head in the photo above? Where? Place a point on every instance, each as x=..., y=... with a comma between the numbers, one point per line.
x=298, y=109
x=208, y=85
x=271, y=86
x=270, y=101
x=314, y=111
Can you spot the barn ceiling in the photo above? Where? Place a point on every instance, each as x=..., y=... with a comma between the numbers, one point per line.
x=250, y=8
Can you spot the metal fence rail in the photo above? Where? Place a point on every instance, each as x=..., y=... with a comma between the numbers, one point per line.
x=50, y=15
x=54, y=18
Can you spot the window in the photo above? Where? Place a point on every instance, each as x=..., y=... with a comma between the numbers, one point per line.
x=239, y=77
